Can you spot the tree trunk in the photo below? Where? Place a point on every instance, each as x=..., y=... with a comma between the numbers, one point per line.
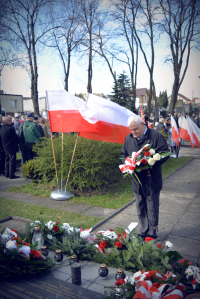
x=89, y=86
x=150, y=95
x=35, y=78
x=68, y=67
x=174, y=95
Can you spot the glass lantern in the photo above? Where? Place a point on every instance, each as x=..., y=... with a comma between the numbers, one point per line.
x=37, y=237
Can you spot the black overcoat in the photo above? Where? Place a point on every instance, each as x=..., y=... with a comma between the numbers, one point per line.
x=132, y=144
x=9, y=139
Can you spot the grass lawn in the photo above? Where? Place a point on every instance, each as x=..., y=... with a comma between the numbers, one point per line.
x=114, y=197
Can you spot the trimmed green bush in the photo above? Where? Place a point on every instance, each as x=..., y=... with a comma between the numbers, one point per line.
x=95, y=163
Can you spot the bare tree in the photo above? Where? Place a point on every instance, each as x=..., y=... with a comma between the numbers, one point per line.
x=124, y=13
x=181, y=23
x=89, y=17
x=67, y=35
x=25, y=25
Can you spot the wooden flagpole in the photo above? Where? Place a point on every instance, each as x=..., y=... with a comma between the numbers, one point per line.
x=54, y=160
x=72, y=161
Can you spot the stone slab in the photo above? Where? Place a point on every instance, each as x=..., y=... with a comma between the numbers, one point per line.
x=76, y=208
x=187, y=247
x=18, y=225
x=191, y=218
x=47, y=287
x=184, y=195
x=172, y=209
x=168, y=219
x=187, y=230
x=194, y=208
x=98, y=212
x=173, y=200
x=54, y=204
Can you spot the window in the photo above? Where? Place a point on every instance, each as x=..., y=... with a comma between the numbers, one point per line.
x=13, y=103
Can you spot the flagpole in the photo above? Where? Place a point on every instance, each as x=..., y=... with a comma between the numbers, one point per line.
x=54, y=160
x=73, y=153
x=62, y=165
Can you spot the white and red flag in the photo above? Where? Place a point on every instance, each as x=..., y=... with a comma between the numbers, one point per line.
x=195, y=132
x=175, y=131
x=185, y=131
x=97, y=119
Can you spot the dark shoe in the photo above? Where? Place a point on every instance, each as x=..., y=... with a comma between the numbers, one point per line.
x=7, y=176
x=142, y=236
x=15, y=177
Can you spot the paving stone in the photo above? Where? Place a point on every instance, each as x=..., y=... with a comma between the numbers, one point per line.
x=96, y=288
x=196, y=200
x=187, y=230
x=54, y=204
x=168, y=219
x=172, y=209
x=98, y=212
x=67, y=268
x=184, y=195
x=13, y=195
x=186, y=246
x=173, y=200
x=35, y=200
x=190, y=217
x=76, y=208
x=90, y=271
x=131, y=210
x=194, y=208
x=84, y=283
x=14, y=224
x=60, y=275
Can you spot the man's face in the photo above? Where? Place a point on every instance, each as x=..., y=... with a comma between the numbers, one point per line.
x=137, y=129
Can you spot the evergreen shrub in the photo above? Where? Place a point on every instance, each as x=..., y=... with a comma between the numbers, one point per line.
x=95, y=163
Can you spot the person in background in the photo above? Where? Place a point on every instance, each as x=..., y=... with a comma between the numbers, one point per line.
x=193, y=116
x=31, y=135
x=176, y=119
x=168, y=121
x=16, y=124
x=186, y=115
x=2, y=153
x=161, y=125
x=152, y=119
x=10, y=142
x=36, y=121
x=44, y=127
x=196, y=121
x=150, y=125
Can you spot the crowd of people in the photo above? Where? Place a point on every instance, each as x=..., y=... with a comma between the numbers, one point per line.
x=19, y=133
x=164, y=125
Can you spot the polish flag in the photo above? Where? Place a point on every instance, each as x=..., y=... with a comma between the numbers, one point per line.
x=195, y=132
x=97, y=118
x=174, y=130
x=185, y=131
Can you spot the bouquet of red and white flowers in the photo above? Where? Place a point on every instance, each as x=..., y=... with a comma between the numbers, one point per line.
x=145, y=158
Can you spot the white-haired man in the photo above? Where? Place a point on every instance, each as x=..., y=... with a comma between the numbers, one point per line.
x=141, y=135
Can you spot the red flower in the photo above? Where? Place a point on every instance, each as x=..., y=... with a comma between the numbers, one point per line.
x=159, y=245
x=14, y=230
x=15, y=239
x=144, y=161
x=193, y=282
x=111, y=230
x=148, y=276
x=27, y=244
x=156, y=284
x=120, y=281
x=148, y=239
x=152, y=273
x=147, y=154
x=143, y=271
x=103, y=244
x=56, y=228
x=35, y=253
x=118, y=244
x=181, y=261
x=57, y=222
x=137, y=278
x=189, y=263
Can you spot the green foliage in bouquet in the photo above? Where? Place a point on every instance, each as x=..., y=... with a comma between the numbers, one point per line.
x=12, y=265
x=95, y=163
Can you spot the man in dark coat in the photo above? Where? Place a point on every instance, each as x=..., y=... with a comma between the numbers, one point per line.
x=10, y=142
x=2, y=153
x=160, y=126
x=141, y=135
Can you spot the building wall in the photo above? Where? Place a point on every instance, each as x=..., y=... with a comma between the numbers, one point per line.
x=12, y=103
x=28, y=105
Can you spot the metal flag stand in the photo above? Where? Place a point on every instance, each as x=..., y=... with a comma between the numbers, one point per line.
x=61, y=194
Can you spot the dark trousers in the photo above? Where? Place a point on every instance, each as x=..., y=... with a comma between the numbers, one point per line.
x=145, y=211
x=10, y=165
x=30, y=154
x=2, y=161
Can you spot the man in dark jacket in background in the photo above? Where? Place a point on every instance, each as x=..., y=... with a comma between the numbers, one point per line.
x=141, y=135
x=36, y=121
x=10, y=142
x=31, y=135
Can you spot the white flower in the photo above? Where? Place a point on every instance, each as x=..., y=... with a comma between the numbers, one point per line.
x=85, y=234
x=10, y=232
x=11, y=245
x=156, y=157
x=71, y=229
x=65, y=226
x=152, y=152
x=24, y=251
x=110, y=234
x=50, y=225
x=151, y=161
x=49, y=237
x=32, y=224
x=169, y=244
x=37, y=221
